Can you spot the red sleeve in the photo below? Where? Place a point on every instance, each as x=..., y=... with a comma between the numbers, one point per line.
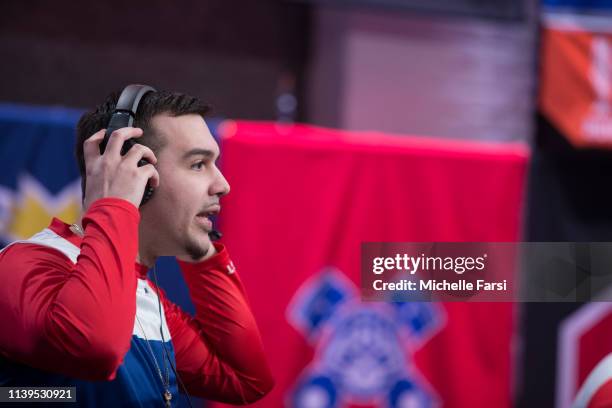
x=74, y=319
x=219, y=353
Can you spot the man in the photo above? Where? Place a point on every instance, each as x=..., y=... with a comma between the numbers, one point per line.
x=76, y=304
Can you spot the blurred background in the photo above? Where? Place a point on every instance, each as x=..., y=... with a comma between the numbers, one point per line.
x=348, y=121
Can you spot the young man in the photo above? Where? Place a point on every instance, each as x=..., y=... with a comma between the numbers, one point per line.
x=76, y=304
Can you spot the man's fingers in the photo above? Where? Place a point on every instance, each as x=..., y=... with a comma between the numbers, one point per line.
x=91, y=146
x=138, y=152
x=113, y=175
x=118, y=137
x=152, y=175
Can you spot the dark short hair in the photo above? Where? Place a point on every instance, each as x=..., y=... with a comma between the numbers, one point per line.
x=152, y=104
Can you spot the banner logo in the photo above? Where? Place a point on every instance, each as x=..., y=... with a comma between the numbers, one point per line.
x=363, y=351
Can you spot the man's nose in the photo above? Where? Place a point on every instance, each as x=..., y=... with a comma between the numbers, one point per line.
x=220, y=186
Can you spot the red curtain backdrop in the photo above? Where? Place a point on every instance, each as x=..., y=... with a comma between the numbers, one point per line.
x=304, y=198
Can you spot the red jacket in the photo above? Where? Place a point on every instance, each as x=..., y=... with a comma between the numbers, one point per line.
x=69, y=305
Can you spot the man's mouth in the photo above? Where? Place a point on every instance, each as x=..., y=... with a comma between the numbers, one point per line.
x=204, y=217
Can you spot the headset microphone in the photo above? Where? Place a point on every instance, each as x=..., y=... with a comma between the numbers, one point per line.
x=215, y=235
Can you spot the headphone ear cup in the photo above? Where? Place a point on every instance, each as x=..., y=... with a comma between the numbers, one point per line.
x=148, y=193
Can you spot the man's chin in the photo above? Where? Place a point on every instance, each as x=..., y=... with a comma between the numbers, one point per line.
x=197, y=251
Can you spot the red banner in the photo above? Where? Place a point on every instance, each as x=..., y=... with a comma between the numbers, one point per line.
x=304, y=199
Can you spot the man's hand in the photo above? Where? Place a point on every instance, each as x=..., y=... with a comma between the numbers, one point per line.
x=113, y=175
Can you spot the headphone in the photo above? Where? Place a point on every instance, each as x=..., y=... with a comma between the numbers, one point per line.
x=123, y=116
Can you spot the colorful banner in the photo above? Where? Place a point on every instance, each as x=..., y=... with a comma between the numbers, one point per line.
x=39, y=177
x=568, y=200
x=304, y=199
x=576, y=70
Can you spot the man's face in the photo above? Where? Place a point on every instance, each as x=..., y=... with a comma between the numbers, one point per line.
x=175, y=222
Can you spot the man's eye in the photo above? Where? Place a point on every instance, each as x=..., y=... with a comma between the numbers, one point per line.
x=198, y=165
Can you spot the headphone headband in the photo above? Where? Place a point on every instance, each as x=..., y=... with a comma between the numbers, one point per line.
x=130, y=98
